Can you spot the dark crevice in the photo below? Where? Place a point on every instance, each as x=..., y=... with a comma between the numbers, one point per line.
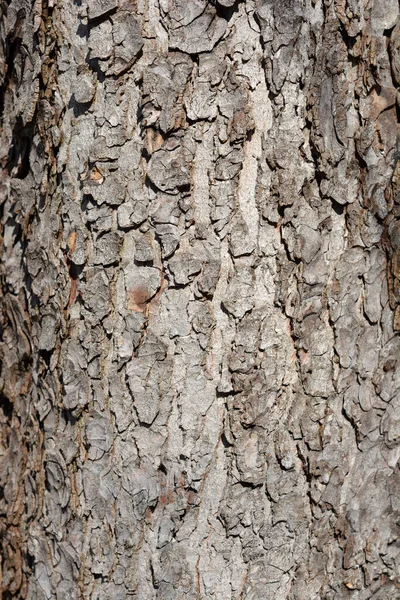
x=294, y=260
x=68, y=417
x=150, y=185
x=18, y=156
x=47, y=484
x=305, y=463
x=75, y=271
x=227, y=394
x=226, y=12
x=338, y=208
x=194, y=57
x=87, y=202
x=12, y=47
x=397, y=113
x=83, y=31
x=145, y=262
x=79, y=108
x=146, y=425
x=96, y=21
x=184, y=188
x=30, y=561
x=145, y=153
x=46, y=356
x=249, y=134
x=319, y=176
x=353, y=424
x=249, y=484
x=226, y=312
x=177, y=286
x=388, y=32
x=6, y=406
x=349, y=41
x=225, y=441
x=17, y=233
x=128, y=65
x=153, y=577
x=94, y=66
x=162, y=469
x=139, y=114
x=2, y=93
x=41, y=203
x=361, y=161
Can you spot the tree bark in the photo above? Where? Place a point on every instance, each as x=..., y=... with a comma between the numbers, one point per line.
x=201, y=288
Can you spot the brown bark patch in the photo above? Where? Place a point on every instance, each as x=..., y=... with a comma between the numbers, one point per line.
x=138, y=298
x=72, y=242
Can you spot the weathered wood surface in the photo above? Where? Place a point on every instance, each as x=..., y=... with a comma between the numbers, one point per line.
x=200, y=299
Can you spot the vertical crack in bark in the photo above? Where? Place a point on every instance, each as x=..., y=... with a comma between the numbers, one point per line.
x=199, y=272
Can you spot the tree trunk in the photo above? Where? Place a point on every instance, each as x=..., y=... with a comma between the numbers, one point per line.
x=201, y=298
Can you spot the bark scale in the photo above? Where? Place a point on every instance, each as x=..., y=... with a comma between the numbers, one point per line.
x=201, y=289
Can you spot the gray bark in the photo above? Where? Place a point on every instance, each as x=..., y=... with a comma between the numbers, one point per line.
x=201, y=288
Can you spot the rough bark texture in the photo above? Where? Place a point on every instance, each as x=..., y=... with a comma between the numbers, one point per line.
x=201, y=290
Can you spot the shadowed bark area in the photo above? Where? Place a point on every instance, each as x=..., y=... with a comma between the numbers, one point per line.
x=200, y=274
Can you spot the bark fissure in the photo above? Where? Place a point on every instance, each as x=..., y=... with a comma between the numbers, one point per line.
x=200, y=271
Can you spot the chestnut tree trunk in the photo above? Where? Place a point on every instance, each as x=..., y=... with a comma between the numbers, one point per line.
x=200, y=275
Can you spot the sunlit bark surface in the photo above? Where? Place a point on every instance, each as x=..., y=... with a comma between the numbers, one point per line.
x=200, y=277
